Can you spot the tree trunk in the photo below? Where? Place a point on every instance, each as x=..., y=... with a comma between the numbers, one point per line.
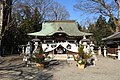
x=6, y=14
x=117, y=29
x=7, y=7
x=1, y=21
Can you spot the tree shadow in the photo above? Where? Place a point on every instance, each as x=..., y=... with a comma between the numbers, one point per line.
x=43, y=76
x=56, y=65
x=32, y=73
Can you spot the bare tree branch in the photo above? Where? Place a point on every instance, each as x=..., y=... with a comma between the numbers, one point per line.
x=104, y=7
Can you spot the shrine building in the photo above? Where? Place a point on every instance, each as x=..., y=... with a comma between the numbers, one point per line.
x=60, y=38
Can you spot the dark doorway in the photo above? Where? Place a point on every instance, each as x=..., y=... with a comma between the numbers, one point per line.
x=60, y=50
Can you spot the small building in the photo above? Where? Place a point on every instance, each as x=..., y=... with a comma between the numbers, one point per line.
x=60, y=38
x=112, y=42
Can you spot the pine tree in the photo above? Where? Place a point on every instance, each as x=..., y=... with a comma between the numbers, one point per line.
x=100, y=30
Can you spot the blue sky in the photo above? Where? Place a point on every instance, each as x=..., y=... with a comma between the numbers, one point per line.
x=69, y=6
x=75, y=15
x=83, y=18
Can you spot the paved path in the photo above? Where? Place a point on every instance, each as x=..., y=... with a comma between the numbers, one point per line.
x=105, y=69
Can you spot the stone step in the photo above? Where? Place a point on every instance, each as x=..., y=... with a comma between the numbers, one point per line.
x=61, y=57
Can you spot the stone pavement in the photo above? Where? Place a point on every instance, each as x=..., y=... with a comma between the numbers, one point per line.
x=105, y=69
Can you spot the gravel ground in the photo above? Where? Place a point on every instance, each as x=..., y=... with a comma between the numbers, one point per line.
x=105, y=69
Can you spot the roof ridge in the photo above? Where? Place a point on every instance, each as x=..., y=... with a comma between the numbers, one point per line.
x=60, y=29
x=60, y=21
x=106, y=38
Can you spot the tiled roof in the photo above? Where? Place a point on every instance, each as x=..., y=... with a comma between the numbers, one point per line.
x=113, y=36
x=69, y=27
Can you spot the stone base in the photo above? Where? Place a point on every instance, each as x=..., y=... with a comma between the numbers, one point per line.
x=39, y=66
x=82, y=66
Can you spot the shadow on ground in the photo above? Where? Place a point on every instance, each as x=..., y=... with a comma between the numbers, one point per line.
x=17, y=70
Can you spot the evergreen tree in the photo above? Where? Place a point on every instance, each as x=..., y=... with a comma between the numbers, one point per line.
x=100, y=30
x=36, y=20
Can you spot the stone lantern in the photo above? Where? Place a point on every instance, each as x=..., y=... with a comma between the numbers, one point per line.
x=105, y=51
x=118, y=48
x=92, y=46
x=99, y=50
x=84, y=43
x=36, y=40
x=80, y=42
x=118, y=51
x=36, y=45
x=92, y=51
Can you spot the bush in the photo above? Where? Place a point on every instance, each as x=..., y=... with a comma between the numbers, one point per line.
x=38, y=55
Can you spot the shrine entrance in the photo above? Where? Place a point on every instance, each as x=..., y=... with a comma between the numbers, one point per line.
x=60, y=53
x=60, y=50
